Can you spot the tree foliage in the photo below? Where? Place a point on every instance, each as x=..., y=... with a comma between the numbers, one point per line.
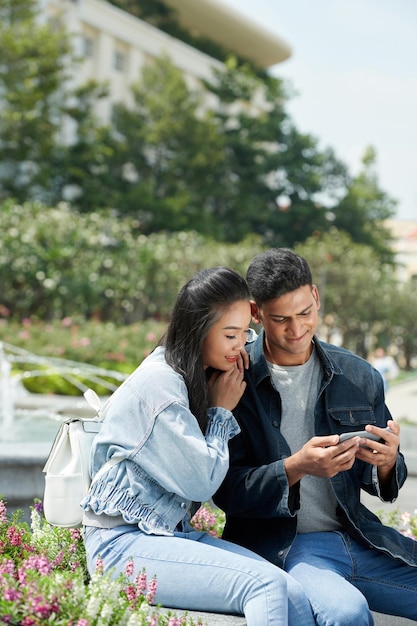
x=365, y=207
x=33, y=58
x=56, y=262
x=403, y=326
x=357, y=291
x=174, y=151
x=226, y=166
x=268, y=160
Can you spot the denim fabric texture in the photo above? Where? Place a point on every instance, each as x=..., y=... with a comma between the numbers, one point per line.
x=199, y=572
x=356, y=582
x=170, y=465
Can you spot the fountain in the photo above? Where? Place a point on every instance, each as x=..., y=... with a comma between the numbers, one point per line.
x=29, y=417
x=29, y=421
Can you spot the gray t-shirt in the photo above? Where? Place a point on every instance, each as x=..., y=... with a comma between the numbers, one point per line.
x=298, y=386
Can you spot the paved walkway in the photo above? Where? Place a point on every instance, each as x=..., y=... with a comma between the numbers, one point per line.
x=401, y=400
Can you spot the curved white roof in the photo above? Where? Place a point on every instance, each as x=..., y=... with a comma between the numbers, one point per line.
x=235, y=32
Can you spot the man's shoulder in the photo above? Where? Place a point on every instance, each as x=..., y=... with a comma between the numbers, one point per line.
x=341, y=355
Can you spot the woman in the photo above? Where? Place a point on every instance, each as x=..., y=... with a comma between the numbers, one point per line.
x=171, y=422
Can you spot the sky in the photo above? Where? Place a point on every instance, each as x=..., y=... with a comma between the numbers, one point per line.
x=354, y=72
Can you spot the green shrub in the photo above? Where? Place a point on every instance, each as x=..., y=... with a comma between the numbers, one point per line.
x=56, y=263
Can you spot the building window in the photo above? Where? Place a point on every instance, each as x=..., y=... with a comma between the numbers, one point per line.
x=87, y=46
x=119, y=61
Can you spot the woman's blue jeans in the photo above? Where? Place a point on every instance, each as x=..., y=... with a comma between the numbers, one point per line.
x=196, y=571
x=345, y=580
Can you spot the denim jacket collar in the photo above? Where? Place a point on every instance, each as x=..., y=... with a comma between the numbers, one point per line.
x=260, y=367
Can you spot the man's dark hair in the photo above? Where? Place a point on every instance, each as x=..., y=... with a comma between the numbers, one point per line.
x=276, y=272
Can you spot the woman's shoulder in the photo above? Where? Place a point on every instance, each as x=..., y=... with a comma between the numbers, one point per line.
x=155, y=377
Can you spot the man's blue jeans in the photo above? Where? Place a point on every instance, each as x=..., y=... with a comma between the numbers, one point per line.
x=196, y=571
x=345, y=580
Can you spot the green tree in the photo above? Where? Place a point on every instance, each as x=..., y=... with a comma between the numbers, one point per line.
x=273, y=176
x=167, y=153
x=356, y=289
x=32, y=71
x=83, y=170
x=365, y=207
x=403, y=328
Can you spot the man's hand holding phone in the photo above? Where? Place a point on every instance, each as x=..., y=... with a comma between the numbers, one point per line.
x=378, y=446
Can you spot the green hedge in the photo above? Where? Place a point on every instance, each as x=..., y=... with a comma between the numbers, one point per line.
x=56, y=263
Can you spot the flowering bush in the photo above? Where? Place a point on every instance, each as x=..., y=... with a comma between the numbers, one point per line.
x=405, y=522
x=56, y=262
x=44, y=580
x=209, y=519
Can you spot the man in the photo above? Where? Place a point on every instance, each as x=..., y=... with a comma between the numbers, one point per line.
x=292, y=492
x=386, y=366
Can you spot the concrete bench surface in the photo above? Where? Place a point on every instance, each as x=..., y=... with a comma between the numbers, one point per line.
x=218, y=619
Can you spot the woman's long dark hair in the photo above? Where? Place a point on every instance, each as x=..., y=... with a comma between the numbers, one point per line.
x=198, y=306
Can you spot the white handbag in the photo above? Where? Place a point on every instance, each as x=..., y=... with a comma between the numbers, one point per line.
x=67, y=476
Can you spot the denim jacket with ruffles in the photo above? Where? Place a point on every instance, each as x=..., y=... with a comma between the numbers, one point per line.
x=261, y=507
x=169, y=465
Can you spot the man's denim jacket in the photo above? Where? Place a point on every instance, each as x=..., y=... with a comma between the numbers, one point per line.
x=261, y=508
x=170, y=466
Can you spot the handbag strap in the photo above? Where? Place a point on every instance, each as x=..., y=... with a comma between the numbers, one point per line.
x=95, y=402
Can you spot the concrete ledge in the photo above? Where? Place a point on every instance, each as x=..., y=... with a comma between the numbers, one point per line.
x=218, y=619
x=209, y=619
x=392, y=620
x=22, y=479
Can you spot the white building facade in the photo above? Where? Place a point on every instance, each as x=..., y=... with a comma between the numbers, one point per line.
x=114, y=45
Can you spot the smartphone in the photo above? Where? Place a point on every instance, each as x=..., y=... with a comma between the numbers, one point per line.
x=361, y=433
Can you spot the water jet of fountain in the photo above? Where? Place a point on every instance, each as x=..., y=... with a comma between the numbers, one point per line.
x=30, y=417
x=6, y=392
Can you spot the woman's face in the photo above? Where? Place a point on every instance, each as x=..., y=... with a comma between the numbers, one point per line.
x=227, y=337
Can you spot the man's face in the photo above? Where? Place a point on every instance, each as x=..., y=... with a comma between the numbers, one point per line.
x=290, y=322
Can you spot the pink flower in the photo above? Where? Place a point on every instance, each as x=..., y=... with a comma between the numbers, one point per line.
x=150, y=596
x=7, y=567
x=130, y=567
x=14, y=536
x=140, y=582
x=12, y=595
x=58, y=559
x=131, y=595
x=75, y=534
x=3, y=512
x=39, y=563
